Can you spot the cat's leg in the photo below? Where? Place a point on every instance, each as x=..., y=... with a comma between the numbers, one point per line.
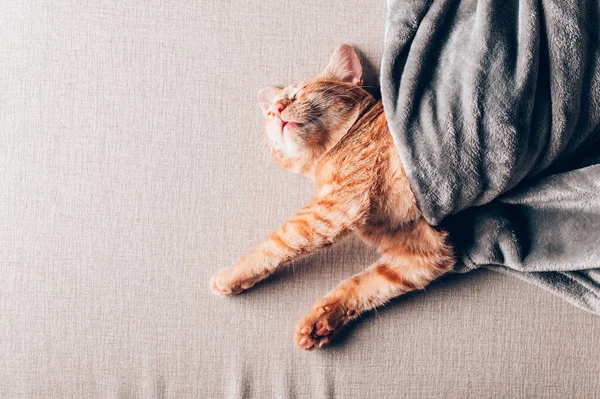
x=389, y=277
x=316, y=225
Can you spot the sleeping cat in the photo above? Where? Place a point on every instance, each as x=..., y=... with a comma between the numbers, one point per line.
x=334, y=132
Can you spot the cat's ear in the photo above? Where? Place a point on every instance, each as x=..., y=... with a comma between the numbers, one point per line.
x=344, y=66
x=266, y=97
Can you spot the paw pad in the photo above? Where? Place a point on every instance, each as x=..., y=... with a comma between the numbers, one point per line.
x=320, y=325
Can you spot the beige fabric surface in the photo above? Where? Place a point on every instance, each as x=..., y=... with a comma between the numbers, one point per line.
x=132, y=167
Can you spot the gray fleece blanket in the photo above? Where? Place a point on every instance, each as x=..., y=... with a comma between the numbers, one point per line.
x=494, y=106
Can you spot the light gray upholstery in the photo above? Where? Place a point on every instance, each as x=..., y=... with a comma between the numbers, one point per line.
x=132, y=167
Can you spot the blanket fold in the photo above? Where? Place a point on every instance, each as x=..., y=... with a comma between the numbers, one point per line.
x=494, y=107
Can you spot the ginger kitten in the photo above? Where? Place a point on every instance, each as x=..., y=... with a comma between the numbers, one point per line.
x=334, y=132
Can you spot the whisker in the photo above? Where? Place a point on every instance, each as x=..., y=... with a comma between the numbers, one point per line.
x=376, y=313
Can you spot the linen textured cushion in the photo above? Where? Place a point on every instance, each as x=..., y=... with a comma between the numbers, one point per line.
x=132, y=168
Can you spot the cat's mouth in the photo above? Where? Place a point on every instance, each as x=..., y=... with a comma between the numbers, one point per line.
x=289, y=125
x=285, y=125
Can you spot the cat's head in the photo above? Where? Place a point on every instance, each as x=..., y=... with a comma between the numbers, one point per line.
x=304, y=120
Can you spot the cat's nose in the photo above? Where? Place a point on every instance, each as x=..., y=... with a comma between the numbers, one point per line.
x=278, y=108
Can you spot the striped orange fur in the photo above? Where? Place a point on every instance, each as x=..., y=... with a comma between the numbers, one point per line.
x=334, y=132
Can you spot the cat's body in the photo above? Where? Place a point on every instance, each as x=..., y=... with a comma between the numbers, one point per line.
x=334, y=132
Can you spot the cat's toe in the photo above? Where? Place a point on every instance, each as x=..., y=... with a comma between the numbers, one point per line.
x=304, y=338
x=220, y=286
x=306, y=330
x=307, y=343
x=218, y=290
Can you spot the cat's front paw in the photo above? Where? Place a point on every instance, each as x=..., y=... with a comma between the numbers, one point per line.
x=224, y=283
x=319, y=326
x=231, y=281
